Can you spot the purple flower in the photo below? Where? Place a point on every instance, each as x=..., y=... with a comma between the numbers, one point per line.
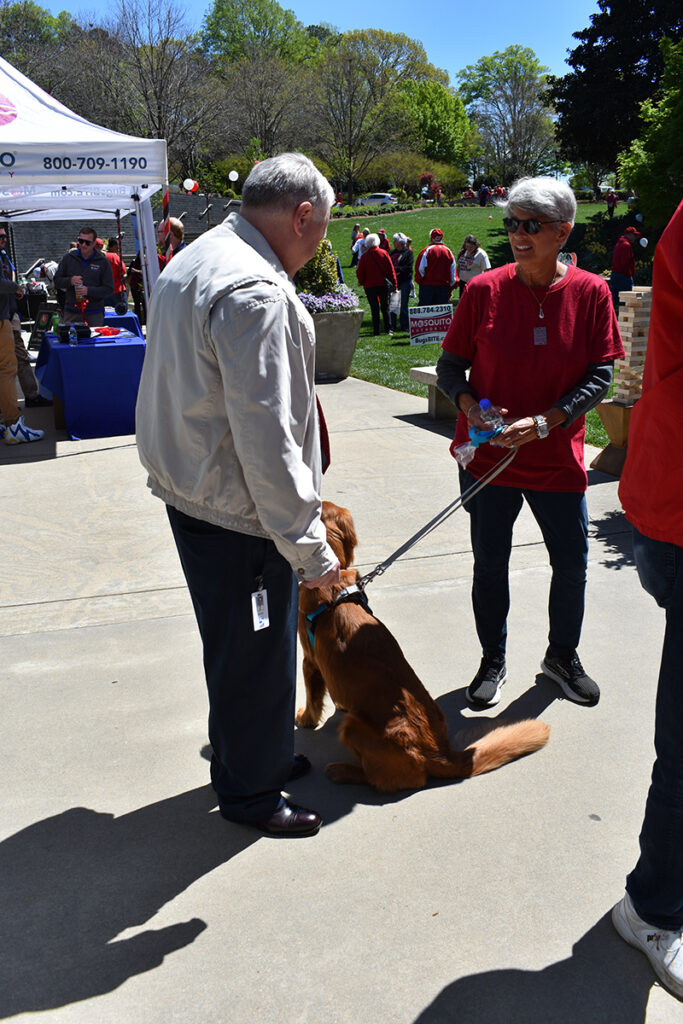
x=333, y=302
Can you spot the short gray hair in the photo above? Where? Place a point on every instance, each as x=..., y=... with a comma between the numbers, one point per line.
x=371, y=241
x=400, y=237
x=546, y=196
x=285, y=181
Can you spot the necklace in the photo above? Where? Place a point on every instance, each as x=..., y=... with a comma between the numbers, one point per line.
x=541, y=314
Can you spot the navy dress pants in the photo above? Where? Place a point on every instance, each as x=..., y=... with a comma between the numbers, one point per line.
x=250, y=675
x=656, y=883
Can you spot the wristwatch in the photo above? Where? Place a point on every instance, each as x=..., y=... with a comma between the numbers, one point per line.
x=541, y=424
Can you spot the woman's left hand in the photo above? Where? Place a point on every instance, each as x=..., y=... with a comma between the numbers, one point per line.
x=517, y=432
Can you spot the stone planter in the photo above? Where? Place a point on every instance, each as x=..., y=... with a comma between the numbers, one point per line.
x=336, y=336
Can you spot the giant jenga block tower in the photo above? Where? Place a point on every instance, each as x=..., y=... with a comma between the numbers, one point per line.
x=634, y=322
x=615, y=412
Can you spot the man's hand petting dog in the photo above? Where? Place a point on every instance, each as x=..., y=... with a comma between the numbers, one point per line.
x=332, y=575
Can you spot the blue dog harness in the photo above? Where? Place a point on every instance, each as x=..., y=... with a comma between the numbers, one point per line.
x=353, y=595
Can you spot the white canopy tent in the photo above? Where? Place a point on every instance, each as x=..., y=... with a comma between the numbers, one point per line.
x=55, y=165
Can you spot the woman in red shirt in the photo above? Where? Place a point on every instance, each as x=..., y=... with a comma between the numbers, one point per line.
x=376, y=274
x=539, y=338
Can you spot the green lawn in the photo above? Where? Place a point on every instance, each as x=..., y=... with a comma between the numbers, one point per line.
x=387, y=361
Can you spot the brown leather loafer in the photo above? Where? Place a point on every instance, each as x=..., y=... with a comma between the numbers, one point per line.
x=291, y=821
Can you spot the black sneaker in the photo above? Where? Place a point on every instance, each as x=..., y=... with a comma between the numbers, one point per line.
x=569, y=675
x=39, y=400
x=484, y=690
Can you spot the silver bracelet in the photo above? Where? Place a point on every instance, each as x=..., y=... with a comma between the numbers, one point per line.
x=541, y=424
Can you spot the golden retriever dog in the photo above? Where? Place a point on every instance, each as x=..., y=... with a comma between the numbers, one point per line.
x=392, y=725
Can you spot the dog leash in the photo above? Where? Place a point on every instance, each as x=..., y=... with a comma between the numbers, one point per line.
x=442, y=516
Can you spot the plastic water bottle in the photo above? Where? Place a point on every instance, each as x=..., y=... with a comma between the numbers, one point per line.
x=490, y=415
x=73, y=335
x=464, y=453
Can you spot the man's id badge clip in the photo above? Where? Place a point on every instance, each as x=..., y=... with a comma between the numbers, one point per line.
x=259, y=607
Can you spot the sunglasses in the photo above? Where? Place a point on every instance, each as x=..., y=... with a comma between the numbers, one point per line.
x=3, y=238
x=532, y=227
x=86, y=241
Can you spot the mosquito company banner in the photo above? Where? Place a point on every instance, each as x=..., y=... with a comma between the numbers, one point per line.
x=428, y=324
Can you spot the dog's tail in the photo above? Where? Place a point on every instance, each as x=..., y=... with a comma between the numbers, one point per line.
x=500, y=745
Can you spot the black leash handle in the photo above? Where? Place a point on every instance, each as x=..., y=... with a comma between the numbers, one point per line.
x=438, y=519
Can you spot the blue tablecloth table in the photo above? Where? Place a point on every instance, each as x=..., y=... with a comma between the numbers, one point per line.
x=96, y=381
x=127, y=321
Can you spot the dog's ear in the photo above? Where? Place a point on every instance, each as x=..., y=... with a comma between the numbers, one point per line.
x=341, y=533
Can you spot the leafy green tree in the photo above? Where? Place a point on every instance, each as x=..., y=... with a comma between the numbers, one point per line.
x=440, y=116
x=616, y=65
x=359, y=110
x=504, y=95
x=30, y=36
x=653, y=165
x=255, y=28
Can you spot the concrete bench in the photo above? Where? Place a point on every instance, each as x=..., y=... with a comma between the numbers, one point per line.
x=438, y=406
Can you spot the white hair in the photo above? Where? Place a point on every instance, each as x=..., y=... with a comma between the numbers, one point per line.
x=545, y=196
x=371, y=241
x=285, y=181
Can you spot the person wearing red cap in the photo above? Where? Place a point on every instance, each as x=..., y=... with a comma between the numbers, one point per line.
x=435, y=271
x=623, y=264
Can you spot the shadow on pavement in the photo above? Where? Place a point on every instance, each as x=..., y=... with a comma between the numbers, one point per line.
x=603, y=981
x=614, y=534
x=71, y=883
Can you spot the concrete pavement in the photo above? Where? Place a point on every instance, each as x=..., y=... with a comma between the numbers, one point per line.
x=125, y=899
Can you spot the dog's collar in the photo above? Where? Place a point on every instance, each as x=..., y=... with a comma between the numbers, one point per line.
x=353, y=594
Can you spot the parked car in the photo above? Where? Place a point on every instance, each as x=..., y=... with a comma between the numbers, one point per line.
x=377, y=199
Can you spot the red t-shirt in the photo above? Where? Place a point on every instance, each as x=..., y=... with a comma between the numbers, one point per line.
x=118, y=270
x=623, y=260
x=526, y=364
x=651, y=484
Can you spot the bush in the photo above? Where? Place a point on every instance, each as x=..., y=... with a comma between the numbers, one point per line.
x=319, y=275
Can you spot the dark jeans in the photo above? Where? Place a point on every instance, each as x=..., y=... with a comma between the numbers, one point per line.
x=250, y=676
x=656, y=883
x=563, y=519
x=619, y=283
x=434, y=295
x=378, y=297
x=402, y=318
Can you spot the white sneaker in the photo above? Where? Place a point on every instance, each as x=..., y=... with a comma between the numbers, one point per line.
x=663, y=949
x=19, y=433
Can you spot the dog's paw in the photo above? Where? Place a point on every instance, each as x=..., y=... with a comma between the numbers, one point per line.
x=305, y=719
x=341, y=772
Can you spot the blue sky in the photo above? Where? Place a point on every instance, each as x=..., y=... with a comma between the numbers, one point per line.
x=453, y=34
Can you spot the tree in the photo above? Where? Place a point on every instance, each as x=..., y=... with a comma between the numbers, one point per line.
x=615, y=67
x=268, y=99
x=359, y=112
x=440, y=117
x=163, y=84
x=504, y=93
x=31, y=37
x=653, y=165
x=255, y=28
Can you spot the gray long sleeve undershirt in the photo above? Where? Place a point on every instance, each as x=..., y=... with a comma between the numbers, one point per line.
x=451, y=379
